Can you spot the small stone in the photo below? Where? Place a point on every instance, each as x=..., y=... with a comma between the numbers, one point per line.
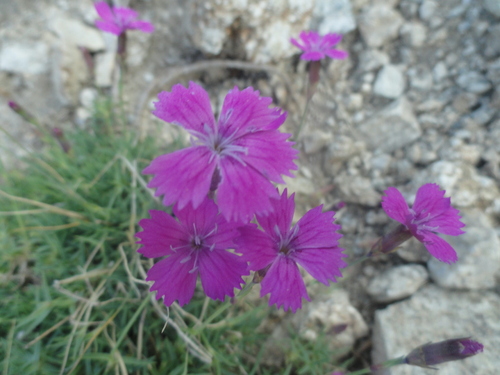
x=379, y=24
x=492, y=49
x=87, y=97
x=315, y=140
x=354, y=102
x=104, y=66
x=77, y=33
x=376, y=217
x=390, y=82
x=397, y=283
x=24, y=57
x=343, y=147
x=413, y=251
x=439, y=72
x=392, y=128
x=427, y=10
x=372, y=59
x=473, y=82
x=492, y=6
x=357, y=189
x=334, y=16
x=420, y=78
x=464, y=101
x=414, y=33
x=478, y=252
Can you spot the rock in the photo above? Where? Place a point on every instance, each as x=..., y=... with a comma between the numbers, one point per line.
x=392, y=128
x=439, y=72
x=397, y=283
x=461, y=182
x=259, y=32
x=478, y=256
x=372, y=59
x=315, y=140
x=333, y=16
x=104, y=66
x=390, y=82
x=343, y=147
x=432, y=315
x=24, y=57
x=414, y=33
x=427, y=10
x=473, y=82
x=357, y=189
x=379, y=24
x=492, y=6
x=464, y=101
x=87, y=97
x=326, y=315
x=77, y=34
x=492, y=49
x=413, y=251
x=420, y=78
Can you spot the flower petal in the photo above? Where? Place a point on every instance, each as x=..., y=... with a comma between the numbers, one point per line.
x=337, y=54
x=183, y=176
x=186, y=107
x=256, y=247
x=220, y=273
x=173, y=279
x=430, y=200
x=104, y=11
x=125, y=15
x=245, y=111
x=202, y=218
x=312, y=56
x=284, y=282
x=281, y=216
x=323, y=264
x=297, y=43
x=144, y=26
x=439, y=248
x=239, y=183
x=269, y=153
x=109, y=27
x=447, y=223
x=395, y=205
x=160, y=234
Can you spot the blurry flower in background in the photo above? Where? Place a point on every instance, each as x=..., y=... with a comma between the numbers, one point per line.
x=277, y=250
x=316, y=47
x=195, y=244
x=431, y=213
x=117, y=20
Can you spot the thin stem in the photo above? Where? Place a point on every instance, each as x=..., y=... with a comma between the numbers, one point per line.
x=383, y=365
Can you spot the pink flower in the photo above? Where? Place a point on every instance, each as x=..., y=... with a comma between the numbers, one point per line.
x=239, y=155
x=119, y=19
x=277, y=250
x=316, y=47
x=195, y=244
x=431, y=213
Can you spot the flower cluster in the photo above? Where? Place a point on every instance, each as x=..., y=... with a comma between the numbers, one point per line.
x=217, y=186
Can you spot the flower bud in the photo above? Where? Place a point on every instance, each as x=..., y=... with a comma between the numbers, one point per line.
x=444, y=351
x=390, y=242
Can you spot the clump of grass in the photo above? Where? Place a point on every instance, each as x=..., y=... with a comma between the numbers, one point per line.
x=72, y=290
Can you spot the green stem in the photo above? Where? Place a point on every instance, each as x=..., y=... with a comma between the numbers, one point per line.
x=383, y=365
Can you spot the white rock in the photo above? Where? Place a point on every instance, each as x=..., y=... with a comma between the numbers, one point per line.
x=333, y=16
x=379, y=24
x=76, y=33
x=439, y=72
x=493, y=6
x=372, y=59
x=87, y=97
x=357, y=189
x=397, y=283
x=390, y=82
x=431, y=315
x=392, y=128
x=420, y=78
x=104, y=66
x=478, y=256
x=24, y=57
x=427, y=10
x=315, y=140
x=414, y=33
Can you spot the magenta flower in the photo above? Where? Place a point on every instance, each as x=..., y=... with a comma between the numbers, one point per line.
x=239, y=155
x=277, y=250
x=431, y=213
x=316, y=47
x=195, y=244
x=119, y=19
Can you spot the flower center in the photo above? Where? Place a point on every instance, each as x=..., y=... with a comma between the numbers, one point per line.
x=285, y=246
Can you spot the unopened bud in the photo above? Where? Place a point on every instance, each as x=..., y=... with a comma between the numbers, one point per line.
x=391, y=241
x=444, y=351
x=14, y=106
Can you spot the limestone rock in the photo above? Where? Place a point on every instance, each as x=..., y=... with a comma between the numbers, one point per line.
x=390, y=82
x=433, y=314
x=24, y=57
x=333, y=16
x=77, y=34
x=379, y=24
x=397, y=283
x=478, y=256
x=357, y=189
x=392, y=128
x=473, y=82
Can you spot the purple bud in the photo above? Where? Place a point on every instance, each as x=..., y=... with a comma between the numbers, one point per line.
x=444, y=351
x=14, y=106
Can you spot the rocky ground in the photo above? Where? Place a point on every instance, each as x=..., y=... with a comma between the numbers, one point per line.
x=417, y=101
